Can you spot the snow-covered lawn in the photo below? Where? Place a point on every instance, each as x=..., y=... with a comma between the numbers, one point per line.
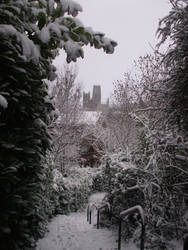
x=73, y=232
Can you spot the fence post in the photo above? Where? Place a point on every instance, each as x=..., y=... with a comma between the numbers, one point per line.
x=90, y=216
x=98, y=218
x=119, y=234
x=88, y=208
x=142, y=237
x=185, y=245
x=136, y=209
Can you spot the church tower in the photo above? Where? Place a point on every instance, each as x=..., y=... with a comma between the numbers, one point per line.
x=96, y=97
x=93, y=103
x=86, y=100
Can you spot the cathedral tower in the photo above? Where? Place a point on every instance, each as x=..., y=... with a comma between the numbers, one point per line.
x=96, y=97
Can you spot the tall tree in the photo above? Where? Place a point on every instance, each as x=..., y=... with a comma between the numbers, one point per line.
x=67, y=128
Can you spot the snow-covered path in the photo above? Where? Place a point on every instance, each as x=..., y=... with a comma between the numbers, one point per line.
x=73, y=232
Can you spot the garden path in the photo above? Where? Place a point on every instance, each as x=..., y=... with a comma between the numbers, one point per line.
x=73, y=232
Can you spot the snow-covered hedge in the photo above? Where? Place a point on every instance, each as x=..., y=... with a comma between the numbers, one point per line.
x=120, y=179
x=73, y=189
x=129, y=184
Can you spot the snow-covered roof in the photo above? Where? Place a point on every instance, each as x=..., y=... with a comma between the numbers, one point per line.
x=90, y=117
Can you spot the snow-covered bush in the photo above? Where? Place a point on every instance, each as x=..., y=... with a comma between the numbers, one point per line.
x=120, y=179
x=99, y=183
x=162, y=178
x=163, y=183
x=156, y=182
x=73, y=189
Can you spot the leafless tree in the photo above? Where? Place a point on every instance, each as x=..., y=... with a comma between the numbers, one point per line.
x=66, y=129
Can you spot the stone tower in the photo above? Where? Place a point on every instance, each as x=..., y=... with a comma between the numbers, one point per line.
x=93, y=103
x=86, y=100
x=96, y=97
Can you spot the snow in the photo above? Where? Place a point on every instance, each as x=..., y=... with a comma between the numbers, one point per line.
x=71, y=7
x=73, y=232
x=78, y=22
x=44, y=35
x=89, y=30
x=30, y=50
x=73, y=50
x=90, y=117
x=51, y=4
x=3, y=102
x=125, y=165
x=110, y=44
x=7, y=29
x=96, y=198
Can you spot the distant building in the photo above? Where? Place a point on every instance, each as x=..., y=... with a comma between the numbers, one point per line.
x=94, y=103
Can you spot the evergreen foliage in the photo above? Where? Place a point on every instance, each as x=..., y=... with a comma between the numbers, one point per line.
x=175, y=28
x=31, y=33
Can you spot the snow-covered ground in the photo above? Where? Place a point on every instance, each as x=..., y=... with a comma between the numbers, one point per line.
x=73, y=232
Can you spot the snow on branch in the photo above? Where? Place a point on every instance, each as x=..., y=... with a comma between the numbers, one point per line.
x=132, y=188
x=181, y=157
x=147, y=109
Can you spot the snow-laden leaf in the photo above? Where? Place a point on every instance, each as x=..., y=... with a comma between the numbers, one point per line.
x=79, y=30
x=30, y=51
x=3, y=102
x=71, y=7
x=74, y=37
x=73, y=50
x=6, y=230
x=44, y=35
x=10, y=170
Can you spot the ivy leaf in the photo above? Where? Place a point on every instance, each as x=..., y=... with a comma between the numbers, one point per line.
x=79, y=30
x=89, y=36
x=74, y=37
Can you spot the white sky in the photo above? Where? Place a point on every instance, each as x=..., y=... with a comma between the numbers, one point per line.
x=132, y=23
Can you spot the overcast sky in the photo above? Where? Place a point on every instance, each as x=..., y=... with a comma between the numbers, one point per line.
x=132, y=23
